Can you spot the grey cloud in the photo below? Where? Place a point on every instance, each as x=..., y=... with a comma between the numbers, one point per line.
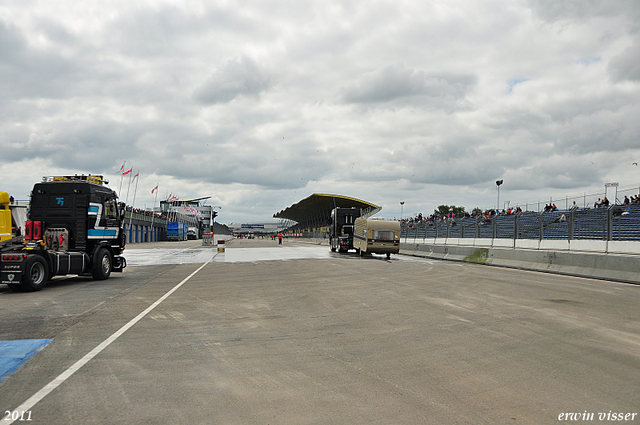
x=584, y=9
x=626, y=66
x=234, y=155
x=77, y=146
x=26, y=72
x=556, y=172
x=601, y=132
x=453, y=163
x=237, y=77
x=12, y=42
x=250, y=166
x=186, y=33
x=397, y=83
x=56, y=33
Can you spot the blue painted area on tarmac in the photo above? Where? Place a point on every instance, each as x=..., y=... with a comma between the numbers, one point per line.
x=14, y=353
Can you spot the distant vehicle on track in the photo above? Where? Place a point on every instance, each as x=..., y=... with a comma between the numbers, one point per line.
x=341, y=229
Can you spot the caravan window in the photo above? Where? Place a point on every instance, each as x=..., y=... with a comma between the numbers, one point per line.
x=383, y=235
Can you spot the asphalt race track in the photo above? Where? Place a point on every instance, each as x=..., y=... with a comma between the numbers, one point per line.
x=295, y=334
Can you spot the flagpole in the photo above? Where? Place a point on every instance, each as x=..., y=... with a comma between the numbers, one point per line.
x=153, y=210
x=128, y=187
x=175, y=210
x=121, y=171
x=134, y=196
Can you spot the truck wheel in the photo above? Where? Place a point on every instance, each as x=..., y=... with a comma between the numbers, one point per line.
x=36, y=274
x=102, y=265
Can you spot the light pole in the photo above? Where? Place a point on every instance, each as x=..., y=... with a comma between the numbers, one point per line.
x=498, y=183
x=212, y=221
x=401, y=209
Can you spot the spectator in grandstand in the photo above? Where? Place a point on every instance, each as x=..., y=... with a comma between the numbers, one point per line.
x=626, y=201
x=574, y=207
x=598, y=203
x=617, y=211
x=605, y=202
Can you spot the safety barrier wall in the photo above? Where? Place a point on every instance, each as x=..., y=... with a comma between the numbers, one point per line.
x=211, y=239
x=616, y=266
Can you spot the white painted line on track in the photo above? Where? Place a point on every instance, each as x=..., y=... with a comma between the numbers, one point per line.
x=37, y=397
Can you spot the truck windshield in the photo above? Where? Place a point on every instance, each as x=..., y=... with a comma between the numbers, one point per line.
x=111, y=208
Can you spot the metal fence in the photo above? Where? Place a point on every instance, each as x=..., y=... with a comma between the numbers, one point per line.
x=617, y=223
x=584, y=200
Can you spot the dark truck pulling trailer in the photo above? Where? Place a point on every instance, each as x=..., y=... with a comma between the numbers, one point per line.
x=342, y=228
x=75, y=226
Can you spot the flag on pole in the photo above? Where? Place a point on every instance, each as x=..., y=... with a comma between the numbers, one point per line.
x=128, y=171
x=121, y=170
x=136, y=175
x=154, y=189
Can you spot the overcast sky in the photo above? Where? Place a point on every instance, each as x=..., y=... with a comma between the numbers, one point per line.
x=259, y=104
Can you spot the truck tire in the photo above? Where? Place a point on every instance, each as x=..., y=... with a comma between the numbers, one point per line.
x=36, y=274
x=102, y=264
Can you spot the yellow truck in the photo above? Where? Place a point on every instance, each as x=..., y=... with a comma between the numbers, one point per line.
x=376, y=236
x=12, y=218
x=5, y=217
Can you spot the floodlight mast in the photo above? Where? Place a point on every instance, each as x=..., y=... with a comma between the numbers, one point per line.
x=498, y=183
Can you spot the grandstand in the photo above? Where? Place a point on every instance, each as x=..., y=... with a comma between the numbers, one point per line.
x=619, y=223
x=311, y=216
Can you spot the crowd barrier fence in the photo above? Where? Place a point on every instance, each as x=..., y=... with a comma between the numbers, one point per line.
x=616, y=223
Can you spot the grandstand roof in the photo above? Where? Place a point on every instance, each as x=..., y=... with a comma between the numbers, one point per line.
x=319, y=205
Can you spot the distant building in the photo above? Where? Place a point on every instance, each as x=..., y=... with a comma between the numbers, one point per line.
x=266, y=227
x=192, y=212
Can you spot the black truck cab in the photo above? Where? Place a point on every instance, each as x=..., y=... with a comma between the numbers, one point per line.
x=74, y=227
x=342, y=228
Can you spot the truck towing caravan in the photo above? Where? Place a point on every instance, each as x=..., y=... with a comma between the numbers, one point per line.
x=341, y=229
x=75, y=226
x=376, y=236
